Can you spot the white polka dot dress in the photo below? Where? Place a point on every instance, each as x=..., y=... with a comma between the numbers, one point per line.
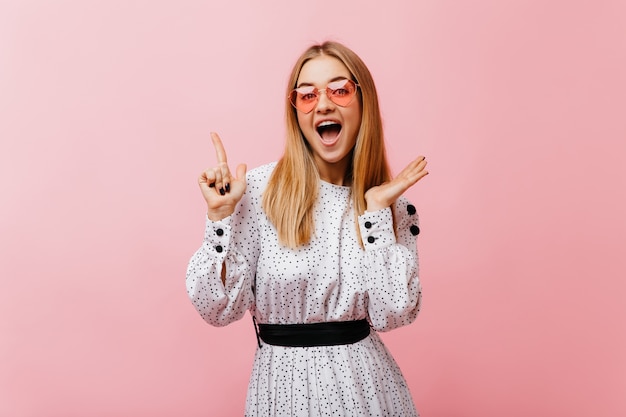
x=330, y=279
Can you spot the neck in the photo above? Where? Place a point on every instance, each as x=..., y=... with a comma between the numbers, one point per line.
x=334, y=174
x=337, y=173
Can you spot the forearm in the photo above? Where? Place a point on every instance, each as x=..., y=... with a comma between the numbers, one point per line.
x=219, y=277
x=391, y=270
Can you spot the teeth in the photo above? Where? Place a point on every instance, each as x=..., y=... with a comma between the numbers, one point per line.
x=327, y=123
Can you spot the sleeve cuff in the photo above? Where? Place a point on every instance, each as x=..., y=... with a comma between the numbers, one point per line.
x=217, y=236
x=377, y=229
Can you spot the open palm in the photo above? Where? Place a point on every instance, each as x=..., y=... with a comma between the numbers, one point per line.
x=382, y=196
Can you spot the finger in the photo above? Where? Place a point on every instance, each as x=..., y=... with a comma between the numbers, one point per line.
x=219, y=181
x=416, y=166
x=412, y=169
x=241, y=172
x=416, y=176
x=419, y=176
x=207, y=178
x=421, y=163
x=226, y=176
x=418, y=163
x=220, y=152
x=414, y=172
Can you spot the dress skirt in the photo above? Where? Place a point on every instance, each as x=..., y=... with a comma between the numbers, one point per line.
x=360, y=379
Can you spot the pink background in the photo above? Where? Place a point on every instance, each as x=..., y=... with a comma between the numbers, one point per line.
x=105, y=113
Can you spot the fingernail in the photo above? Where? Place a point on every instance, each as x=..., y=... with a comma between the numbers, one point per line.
x=222, y=192
x=227, y=188
x=212, y=185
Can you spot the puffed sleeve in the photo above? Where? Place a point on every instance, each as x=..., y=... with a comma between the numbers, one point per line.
x=393, y=286
x=230, y=243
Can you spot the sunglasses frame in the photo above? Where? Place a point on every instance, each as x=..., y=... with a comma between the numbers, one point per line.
x=318, y=92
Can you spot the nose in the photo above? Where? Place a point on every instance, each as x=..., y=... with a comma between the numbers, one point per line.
x=324, y=104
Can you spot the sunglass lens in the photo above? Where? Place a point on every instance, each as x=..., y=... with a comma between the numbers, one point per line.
x=304, y=98
x=342, y=92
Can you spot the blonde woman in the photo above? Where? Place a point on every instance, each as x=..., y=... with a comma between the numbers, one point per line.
x=320, y=247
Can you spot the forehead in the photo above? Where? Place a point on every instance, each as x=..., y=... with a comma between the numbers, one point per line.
x=320, y=70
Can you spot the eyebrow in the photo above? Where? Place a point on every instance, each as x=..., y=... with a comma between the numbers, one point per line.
x=341, y=77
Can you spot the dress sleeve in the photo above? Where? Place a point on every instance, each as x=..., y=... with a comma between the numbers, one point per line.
x=391, y=269
x=230, y=243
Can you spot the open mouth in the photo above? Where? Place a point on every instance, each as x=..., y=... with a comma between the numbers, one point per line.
x=329, y=130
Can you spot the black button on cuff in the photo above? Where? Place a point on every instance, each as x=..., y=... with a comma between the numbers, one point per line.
x=219, y=249
x=371, y=239
x=219, y=232
x=411, y=209
x=368, y=225
x=414, y=230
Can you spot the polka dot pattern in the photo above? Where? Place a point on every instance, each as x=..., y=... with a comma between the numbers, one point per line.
x=332, y=278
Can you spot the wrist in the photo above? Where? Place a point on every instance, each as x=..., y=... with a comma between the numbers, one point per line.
x=219, y=214
x=373, y=205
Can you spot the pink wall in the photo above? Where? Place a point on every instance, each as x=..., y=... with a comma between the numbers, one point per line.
x=105, y=113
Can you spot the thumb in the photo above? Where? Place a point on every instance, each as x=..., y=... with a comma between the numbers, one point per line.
x=241, y=171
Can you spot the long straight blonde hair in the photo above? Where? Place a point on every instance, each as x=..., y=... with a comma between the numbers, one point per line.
x=291, y=193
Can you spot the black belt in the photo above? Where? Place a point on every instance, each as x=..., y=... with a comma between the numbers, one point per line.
x=313, y=334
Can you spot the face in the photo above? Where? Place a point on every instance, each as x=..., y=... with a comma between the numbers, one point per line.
x=329, y=129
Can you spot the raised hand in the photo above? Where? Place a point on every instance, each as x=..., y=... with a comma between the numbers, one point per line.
x=219, y=188
x=382, y=196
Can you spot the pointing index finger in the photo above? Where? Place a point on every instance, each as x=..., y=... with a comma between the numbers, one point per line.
x=219, y=148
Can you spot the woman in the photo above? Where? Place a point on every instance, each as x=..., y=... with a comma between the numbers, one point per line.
x=320, y=247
